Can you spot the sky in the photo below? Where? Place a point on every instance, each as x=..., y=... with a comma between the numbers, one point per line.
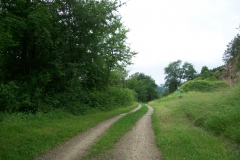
x=194, y=31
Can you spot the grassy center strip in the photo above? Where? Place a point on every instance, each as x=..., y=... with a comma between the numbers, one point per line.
x=115, y=132
x=25, y=136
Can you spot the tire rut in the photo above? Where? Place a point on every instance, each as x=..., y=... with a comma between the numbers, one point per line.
x=137, y=144
x=77, y=147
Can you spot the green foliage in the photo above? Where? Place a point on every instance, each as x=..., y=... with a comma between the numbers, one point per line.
x=232, y=52
x=143, y=85
x=204, y=69
x=8, y=96
x=122, y=96
x=62, y=54
x=111, y=98
x=203, y=85
x=204, y=72
x=210, y=74
x=175, y=73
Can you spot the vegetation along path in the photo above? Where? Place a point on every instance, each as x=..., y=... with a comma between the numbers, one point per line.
x=77, y=147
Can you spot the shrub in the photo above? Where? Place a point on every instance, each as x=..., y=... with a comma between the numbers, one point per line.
x=9, y=96
x=203, y=85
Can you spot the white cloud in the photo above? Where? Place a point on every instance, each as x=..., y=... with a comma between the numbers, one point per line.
x=163, y=31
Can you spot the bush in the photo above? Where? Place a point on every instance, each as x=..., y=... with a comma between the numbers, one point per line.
x=9, y=96
x=203, y=86
x=82, y=102
x=122, y=96
x=111, y=98
x=29, y=97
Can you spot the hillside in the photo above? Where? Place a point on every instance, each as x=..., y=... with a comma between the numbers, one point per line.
x=203, y=124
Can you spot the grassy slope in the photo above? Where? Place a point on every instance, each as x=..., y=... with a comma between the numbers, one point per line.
x=199, y=126
x=115, y=132
x=25, y=136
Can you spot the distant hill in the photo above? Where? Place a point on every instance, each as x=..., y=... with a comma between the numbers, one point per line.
x=160, y=89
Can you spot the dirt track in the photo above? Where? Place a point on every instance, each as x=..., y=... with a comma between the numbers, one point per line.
x=77, y=147
x=139, y=143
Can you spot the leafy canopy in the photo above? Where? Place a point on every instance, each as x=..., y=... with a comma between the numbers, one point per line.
x=143, y=85
x=61, y=53
x=176, y=73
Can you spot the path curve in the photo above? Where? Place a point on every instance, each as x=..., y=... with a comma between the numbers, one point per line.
x=139, y=143
x=76, y=148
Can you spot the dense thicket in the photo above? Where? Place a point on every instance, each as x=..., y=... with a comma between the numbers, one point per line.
x=144, y=86
x=210, y=74
x=70, y=53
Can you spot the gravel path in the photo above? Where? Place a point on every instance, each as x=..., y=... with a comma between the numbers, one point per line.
x=137, y=144
x=77, y=147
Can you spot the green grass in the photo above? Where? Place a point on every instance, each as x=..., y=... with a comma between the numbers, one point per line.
x=199, y=126
x=203, y=85
x=25, y=136
x=115, y=132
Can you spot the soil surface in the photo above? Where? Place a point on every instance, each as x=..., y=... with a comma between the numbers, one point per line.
x=77, y=147
x=138, y=144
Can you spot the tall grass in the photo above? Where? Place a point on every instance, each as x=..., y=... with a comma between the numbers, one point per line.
x=199, y=126
x=25, y=136
x=206, y=85
x=216, y=112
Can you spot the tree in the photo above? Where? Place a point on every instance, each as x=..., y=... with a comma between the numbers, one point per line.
x=59, y=52
x=176, y=74
x=143, y=85
x=231, y=54
x=188, y=71
x=26, y=41
x=204, y=69
x=204, y=72
x=115, y=53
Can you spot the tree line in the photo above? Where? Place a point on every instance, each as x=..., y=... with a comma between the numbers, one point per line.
x=177, y=74
x=231, y=54
x=69, y=54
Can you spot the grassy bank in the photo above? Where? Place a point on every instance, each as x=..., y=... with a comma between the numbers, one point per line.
x=199, y=126
x=24, y=136
x=115, y=132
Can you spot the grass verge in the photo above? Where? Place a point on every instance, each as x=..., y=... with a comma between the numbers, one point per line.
x=115, y=132
x=25, y=136
x=198, y=126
